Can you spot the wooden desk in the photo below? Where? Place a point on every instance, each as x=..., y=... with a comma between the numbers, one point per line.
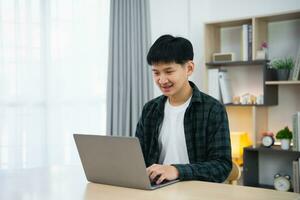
x=70, y=183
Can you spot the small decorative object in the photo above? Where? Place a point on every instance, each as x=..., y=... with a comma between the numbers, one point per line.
x=263, y=53
x=244, y=99
x=283, y=67
x=252, y=99
x=267, y=139
x=282, y=183
x=260, y=99
x=236, y=100
x=264, y=45
x=248, y=99
x=223, y=57
x=285, y=136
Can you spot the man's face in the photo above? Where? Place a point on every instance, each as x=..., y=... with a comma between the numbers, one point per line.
x=171, y=78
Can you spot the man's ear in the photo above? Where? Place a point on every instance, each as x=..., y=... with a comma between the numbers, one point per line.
x=190, y=67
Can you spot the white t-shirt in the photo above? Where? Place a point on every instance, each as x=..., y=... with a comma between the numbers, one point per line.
x=171, y=138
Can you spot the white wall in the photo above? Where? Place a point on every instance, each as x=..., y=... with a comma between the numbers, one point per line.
x=169, y=17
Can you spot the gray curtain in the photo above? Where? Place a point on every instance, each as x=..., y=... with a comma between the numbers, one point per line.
x=129, y=84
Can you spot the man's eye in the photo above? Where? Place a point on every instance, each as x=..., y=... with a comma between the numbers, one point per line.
x=169, y=72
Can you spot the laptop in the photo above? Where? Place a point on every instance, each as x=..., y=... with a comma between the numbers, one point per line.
x=115, y=161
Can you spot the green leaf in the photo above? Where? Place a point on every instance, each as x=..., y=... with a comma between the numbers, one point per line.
x=284, y=134
x=285, y=63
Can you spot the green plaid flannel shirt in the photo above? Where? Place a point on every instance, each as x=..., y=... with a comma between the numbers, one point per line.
x=206, y=133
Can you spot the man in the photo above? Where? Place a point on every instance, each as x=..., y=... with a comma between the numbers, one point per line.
x=183, y=133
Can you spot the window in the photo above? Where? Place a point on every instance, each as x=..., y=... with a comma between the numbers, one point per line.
x=53, y=67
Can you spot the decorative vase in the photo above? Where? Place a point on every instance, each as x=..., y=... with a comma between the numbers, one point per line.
x=283, y=74
x=265, y=50
x=285, y=144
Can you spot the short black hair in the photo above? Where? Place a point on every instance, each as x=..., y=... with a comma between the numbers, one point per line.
x=167, y=49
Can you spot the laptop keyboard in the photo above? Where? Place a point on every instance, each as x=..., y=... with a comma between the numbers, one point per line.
x=153, y=184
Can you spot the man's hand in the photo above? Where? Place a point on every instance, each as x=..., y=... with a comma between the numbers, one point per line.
x=164, y=172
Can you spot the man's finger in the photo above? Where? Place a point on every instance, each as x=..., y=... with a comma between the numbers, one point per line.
x=154, y=174
x=161, y=179
x=152, y=168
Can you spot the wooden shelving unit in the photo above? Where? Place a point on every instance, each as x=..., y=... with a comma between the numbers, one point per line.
x=255, y=119
x=270, y=89
x=282, y=82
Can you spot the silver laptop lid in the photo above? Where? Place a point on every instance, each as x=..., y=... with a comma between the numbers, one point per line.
x=113, y=160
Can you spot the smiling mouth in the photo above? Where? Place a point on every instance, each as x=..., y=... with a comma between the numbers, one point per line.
x=166, y=88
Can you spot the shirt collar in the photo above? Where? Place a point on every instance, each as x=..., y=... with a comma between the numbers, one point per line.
x=197, y=95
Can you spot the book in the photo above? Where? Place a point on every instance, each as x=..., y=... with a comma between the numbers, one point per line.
x=213, y=84
x=295, y=178
x=296, y=131
x=249, y=42
x=298, y=176
x=295, y=134
x=245, y=42
x=296, y=69
x=225, y=87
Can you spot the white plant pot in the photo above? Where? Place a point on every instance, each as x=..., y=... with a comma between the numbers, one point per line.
x=285, y=144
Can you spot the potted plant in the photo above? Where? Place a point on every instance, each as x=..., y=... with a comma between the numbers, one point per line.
x=283, y=67
x=285, y=136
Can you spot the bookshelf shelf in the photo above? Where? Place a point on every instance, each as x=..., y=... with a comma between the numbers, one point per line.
x=280, y=17
x=246, y=105
x=223, y=24
x=282, y=82
x=237, y=63
x=273, y=149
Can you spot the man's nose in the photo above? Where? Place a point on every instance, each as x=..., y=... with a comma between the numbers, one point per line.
x=162, y=79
